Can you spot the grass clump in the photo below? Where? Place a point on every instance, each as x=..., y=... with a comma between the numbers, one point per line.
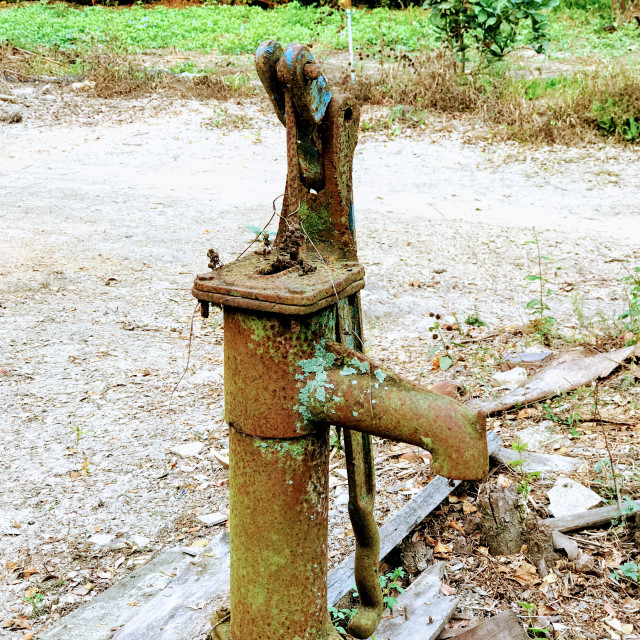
x=566, y=109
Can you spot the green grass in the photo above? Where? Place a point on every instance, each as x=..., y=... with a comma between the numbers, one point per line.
x=575, y=34
x=220, y=28
x=576, y=30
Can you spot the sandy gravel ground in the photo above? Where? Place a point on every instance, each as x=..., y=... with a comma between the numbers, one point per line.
x=103, y=225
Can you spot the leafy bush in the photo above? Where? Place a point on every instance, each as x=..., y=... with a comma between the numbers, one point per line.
x=489, y=27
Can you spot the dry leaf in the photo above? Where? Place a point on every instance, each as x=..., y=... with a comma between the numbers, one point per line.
x=454, y=524
x=12, y=566
x=442, y=548
x=527, y=412
x=7, y=624
x=31, y=591
x=200, y=543
x=430, y=541
x=503, y=482
x=609, y=609
x=22, y=623
x=550, y=578
x=29, y=636
x=454, y=499
x=30, y=571
x=446, y=589
x=546, y=610
x=446, y=388
x=483, y=551
x=468, y=508
x=16, y=524
x=526, y=574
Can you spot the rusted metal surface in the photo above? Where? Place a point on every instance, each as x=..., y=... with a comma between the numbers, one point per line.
x=366, y=398
x=361, y=478
x=262, y=353
x=240, y=284
x=294, y=366
x=279, y=514
x=327, y=267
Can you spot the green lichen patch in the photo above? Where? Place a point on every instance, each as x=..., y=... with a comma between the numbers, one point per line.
x=380, y=374
x=347, y=371
x=316, y=386
x=283, y=448
x=316, y=221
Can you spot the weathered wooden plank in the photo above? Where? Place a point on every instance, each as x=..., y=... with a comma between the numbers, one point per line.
x=109, y=610
x=586, y=519
x=504, y=626
x=183, y=610
x=561, y=377
x=396, y=529
x=421, y=612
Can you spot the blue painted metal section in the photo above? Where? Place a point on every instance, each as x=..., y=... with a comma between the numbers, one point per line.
x=352, y=219
x=321, y=97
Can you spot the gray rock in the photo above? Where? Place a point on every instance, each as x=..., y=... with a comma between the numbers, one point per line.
x=188, y=450
x=212, y=519
x=509, y=379
x=568, y=497
x=101, y=539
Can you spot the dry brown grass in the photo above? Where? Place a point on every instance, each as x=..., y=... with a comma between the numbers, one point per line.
x=110, y=74
x=565, y=110
x=427, y=82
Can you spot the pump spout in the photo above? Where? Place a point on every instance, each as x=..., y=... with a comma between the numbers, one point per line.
x=359, y=395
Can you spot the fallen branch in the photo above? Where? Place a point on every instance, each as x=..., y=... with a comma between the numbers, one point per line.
x=504, y=626
x=558, y=378
x=591, y=518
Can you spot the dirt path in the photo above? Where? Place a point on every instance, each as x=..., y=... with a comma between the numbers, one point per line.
x=103, y=228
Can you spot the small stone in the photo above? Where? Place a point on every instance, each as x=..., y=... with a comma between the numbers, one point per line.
x=141, y=541
x=212, y=519
x=542, y=437
x=567, y=497
x=439, y=270
x=222, y=459
x=101, y=539
x=529, y=357
x=188, y=450
x=509, y=379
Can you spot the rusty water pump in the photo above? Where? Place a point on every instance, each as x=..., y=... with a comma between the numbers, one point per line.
x=294, y=365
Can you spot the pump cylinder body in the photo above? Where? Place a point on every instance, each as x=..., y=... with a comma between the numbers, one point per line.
x=279, y=481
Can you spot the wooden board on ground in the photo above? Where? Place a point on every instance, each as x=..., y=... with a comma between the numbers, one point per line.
x=504, y=626
x=421, y=612
x=559, y=377
x=109, y=610
x=591, y=518
x=398, y=527
x=182, y=610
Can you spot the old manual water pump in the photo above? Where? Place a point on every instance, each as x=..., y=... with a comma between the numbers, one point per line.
x=294, y=365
